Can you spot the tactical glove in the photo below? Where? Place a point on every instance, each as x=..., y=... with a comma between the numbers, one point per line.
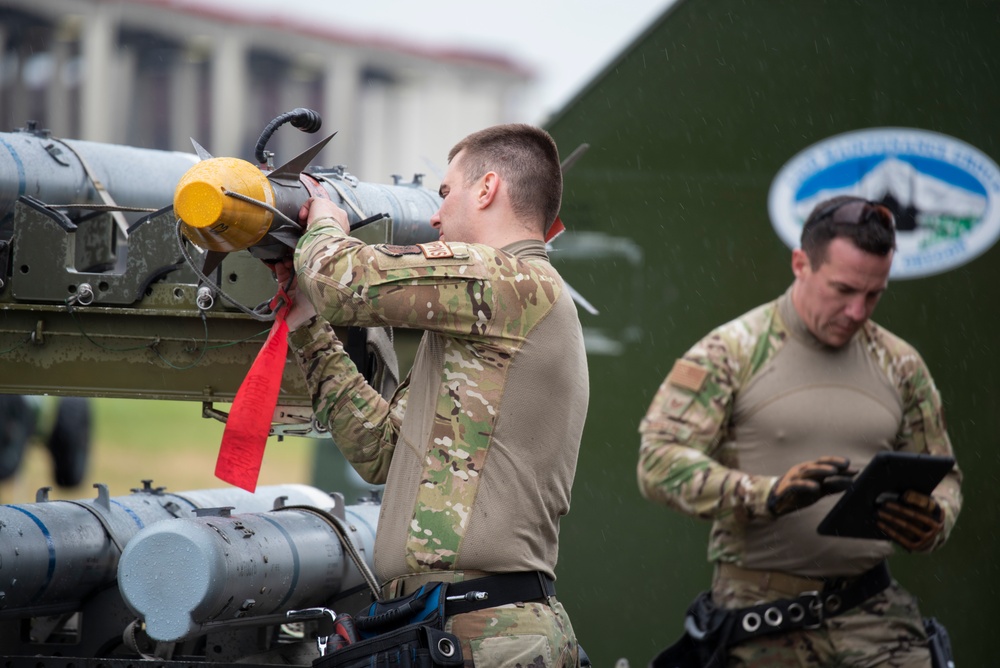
x=806, y=483
x=302, y=310
x=913, y=521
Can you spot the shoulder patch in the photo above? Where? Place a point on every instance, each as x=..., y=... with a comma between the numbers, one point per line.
x=687, y=375
x=435, y=250
x=398, y=251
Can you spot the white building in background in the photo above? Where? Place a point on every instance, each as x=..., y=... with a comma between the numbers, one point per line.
x=156, y=73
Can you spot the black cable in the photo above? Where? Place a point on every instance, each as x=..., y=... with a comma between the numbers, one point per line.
x=306, y=120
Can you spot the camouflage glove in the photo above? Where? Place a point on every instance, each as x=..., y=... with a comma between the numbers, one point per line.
x=914, y=520
x=806, y=483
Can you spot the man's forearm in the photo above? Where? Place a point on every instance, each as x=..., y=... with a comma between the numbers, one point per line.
x=690, y=481
x=361, y=422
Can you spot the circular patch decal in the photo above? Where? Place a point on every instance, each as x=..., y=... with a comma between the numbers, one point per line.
x=944, y=193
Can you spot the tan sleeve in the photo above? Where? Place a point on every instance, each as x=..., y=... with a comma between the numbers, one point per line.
x=681, y=463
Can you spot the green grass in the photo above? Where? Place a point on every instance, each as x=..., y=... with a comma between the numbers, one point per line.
x=168, y=442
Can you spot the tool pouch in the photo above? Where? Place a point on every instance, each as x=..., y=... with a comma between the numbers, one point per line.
x=706, y=636
x=938, y=643
x=424, y=606
x=414, y=646
x=405, y=632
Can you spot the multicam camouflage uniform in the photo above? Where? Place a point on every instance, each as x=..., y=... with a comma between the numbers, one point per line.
x=478, y=446
x=750, y=400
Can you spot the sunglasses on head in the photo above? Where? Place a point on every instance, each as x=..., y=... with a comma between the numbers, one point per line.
x=854, y=212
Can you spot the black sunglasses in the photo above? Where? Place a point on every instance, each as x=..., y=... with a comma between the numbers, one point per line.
x=855, y=212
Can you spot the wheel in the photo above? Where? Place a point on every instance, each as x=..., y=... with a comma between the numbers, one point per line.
x=17, y=424
x=69, y=442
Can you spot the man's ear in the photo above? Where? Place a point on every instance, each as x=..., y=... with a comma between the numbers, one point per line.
x=489, y=186
x=800, y=263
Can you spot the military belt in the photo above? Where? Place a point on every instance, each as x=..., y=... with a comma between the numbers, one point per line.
x=405, y=585
x=500, y=589
x=827, y=597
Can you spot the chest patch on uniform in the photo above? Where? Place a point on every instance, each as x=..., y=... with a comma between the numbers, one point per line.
x=398, y=251
x=687, y=375
x=435, y=250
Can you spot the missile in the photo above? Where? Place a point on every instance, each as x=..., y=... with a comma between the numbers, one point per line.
x=55, y=554
x=74, y=172
x=228, y=204
x=187, y=577
x=223, y=204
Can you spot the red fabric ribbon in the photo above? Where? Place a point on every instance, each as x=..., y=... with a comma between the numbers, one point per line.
x=249, y=421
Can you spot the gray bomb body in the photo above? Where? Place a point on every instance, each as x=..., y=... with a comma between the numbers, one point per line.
x=54, y=554
x=185, y=576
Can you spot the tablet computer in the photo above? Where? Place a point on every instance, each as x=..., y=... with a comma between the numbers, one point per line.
x=888, y=475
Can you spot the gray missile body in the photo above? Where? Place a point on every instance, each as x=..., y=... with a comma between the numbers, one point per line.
x=186, y=577
x=55, y=554
x=64, y=171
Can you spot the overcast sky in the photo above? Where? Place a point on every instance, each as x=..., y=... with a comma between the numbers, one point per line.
x=565, y=42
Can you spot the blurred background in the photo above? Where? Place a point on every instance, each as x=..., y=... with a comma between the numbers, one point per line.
x=691, y=110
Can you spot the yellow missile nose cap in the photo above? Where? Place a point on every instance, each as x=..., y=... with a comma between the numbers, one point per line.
x=215, y=221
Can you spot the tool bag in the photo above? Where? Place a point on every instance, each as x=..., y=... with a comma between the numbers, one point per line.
x=707, y=632
x=424, y=606
x=407, y=632
x=413, y=646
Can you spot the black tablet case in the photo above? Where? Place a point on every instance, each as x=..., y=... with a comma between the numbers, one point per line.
x=888, y=473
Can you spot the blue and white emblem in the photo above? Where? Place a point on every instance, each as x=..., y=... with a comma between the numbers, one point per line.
x=944, y=193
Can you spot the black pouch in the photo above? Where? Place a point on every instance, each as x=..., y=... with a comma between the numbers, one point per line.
x=414, y=646
x=405, y=632
x=424, y=606
x=706, y=634
x=939, y=643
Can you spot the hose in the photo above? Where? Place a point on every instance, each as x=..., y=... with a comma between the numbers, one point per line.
x=306, y=120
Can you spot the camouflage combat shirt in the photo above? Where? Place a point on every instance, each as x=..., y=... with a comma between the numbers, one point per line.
x=761, y=394
x=478, y=446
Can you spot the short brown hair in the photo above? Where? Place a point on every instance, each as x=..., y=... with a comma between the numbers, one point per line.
x=526, y=158
x=870, y=226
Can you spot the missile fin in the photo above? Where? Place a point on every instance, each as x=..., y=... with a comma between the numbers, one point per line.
x=203, y=154
x=212, y=260
x=572, y=158
x=581, y=300
x=289, y=172
x=286, y=237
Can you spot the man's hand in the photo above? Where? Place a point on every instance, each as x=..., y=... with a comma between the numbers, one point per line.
x=302, y=309
x=316, y=209
x=806, y=483
x=914, y=521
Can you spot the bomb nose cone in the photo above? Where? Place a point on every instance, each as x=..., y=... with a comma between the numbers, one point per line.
x=213, y=220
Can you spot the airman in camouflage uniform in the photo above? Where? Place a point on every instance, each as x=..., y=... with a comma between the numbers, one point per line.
x=477, y=457
x=757, y=423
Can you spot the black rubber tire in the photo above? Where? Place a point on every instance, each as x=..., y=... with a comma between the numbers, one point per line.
x=17, y=424
x=69, y=442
